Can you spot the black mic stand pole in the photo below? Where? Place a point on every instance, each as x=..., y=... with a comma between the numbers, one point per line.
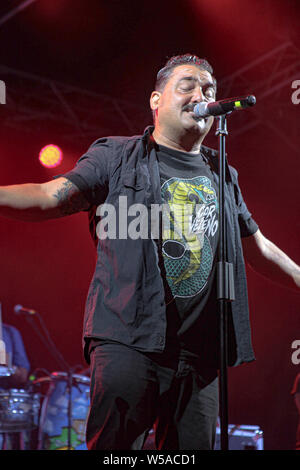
x=225, y=284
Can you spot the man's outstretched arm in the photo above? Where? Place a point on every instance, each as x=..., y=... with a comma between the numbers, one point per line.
x=270, y=261
x=37, y=202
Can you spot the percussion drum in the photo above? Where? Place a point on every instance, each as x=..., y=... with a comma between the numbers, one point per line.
x=19, y=410
x=54, y=418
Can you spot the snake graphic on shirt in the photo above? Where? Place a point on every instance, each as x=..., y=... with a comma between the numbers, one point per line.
x=190, y=223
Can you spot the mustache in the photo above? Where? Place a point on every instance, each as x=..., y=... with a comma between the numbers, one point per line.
x=188, y=107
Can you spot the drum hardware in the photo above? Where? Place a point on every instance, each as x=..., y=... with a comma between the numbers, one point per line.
x=44, y=335
x=6, y=371
x=57, y=428
x=19, y=410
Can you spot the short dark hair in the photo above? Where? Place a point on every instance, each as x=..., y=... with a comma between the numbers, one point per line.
x=164, y=73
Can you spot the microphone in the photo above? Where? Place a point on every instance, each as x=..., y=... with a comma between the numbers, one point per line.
x=20, y=310
x=217, y=108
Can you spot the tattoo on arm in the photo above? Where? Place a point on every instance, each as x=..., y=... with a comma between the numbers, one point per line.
x=70, y=199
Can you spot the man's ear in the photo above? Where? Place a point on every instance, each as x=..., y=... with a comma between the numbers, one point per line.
x=154, y=100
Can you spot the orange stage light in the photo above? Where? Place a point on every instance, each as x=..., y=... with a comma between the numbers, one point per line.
x=50, y=156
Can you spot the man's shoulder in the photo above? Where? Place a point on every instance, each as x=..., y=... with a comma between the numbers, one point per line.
x=120, y=141
x=115, y=141
x=7, y=327
x=10, y=330
x=109, y=151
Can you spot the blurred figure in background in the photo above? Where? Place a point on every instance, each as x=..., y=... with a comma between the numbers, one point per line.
x=18, y=363
x=16, y=358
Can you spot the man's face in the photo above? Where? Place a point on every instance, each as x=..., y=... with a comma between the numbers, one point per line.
x=187, y=86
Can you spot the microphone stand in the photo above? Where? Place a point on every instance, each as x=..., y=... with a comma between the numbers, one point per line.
x=225, y=284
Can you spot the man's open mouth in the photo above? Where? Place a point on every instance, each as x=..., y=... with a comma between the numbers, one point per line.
x=190, y=110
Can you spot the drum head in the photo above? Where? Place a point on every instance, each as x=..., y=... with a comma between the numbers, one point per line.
x=76, y=377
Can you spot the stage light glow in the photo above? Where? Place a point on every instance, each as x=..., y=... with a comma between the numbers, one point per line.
x=50, y=156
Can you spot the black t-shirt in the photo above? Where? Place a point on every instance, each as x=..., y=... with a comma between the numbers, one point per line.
x=189, y=244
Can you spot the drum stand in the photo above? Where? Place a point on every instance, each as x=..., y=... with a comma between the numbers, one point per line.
x=70, y=372
x=60, y=359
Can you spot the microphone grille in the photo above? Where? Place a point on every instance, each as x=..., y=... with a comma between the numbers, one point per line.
x=200, y=109
x=251, y=100
x=18, y=308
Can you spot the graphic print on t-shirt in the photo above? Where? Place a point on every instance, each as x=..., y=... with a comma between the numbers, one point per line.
x=190, y=228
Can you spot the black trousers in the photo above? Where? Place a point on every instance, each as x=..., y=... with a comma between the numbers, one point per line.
x=130, y=391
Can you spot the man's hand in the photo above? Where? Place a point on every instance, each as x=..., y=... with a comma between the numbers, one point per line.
x=270, y=261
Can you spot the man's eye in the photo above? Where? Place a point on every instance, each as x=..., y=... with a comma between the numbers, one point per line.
x=210, y=93
x=186, y=87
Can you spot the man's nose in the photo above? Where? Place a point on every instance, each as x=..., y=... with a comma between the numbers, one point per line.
x=198, y=95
